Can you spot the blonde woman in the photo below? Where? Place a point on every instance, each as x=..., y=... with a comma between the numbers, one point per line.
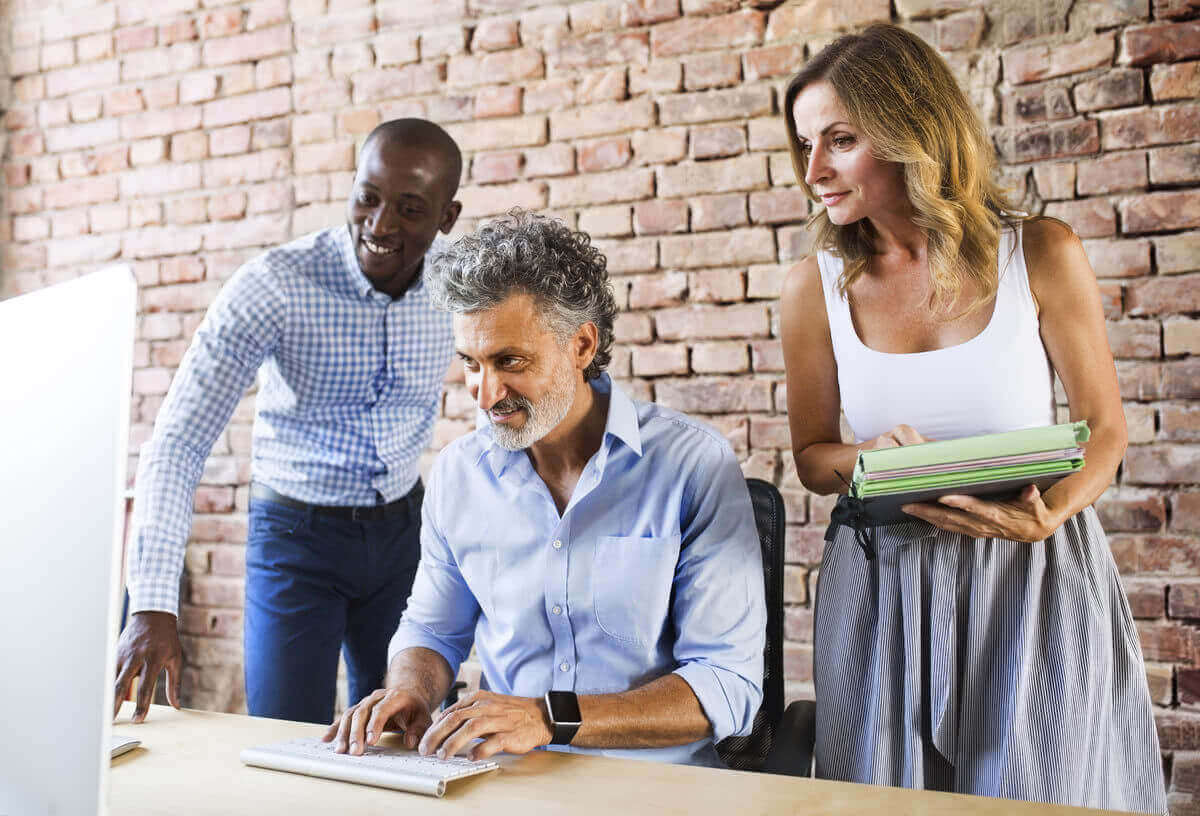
x=984, y=647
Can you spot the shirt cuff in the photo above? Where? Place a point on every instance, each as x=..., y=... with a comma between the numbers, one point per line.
x=153, y=596
x=720, y=710
x=409, y=635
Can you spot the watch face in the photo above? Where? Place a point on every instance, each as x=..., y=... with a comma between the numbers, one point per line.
x=564, y=707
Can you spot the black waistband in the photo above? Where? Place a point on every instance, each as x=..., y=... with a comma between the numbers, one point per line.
x=370, y=512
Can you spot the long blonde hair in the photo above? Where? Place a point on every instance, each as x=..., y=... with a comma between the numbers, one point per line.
x=901, y=94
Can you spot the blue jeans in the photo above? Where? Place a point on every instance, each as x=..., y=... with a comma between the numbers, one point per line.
x=316, y=584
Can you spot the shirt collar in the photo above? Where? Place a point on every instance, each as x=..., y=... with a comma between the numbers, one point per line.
x=362, y=284
x=621, y=423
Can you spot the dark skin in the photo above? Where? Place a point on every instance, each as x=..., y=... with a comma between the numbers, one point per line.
x=403, y=196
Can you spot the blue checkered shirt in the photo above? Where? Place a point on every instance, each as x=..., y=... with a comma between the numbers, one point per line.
x=348, y=395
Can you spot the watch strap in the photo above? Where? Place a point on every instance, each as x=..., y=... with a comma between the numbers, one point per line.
x=563, y=732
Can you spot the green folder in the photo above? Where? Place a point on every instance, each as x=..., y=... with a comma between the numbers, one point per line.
x=991, y=465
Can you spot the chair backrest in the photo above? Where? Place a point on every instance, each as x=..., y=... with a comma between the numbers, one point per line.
x=749, y=753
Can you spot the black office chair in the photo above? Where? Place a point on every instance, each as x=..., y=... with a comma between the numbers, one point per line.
x=750, y=753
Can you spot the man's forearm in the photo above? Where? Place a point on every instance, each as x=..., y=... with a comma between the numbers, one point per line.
x=660, y=714
x=423, y=672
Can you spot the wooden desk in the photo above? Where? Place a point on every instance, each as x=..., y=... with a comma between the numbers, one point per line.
x=188, y=764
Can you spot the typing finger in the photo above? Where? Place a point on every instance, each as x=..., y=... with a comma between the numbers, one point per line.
x=174, y=678
x=475, y=727
x=125, y=675
x=343, y=732
x=145, y=696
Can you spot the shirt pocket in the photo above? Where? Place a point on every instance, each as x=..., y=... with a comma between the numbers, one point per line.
x=631, y=583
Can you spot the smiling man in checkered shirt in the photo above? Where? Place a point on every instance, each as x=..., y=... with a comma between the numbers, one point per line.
x=352, y=356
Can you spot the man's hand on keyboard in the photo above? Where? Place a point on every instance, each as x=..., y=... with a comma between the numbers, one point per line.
x=383, y=709
x=516, y=725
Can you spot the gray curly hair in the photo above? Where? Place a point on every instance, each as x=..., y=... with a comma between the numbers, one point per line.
x=524, y=253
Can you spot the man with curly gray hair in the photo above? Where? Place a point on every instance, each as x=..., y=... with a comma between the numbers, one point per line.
x=600, y=553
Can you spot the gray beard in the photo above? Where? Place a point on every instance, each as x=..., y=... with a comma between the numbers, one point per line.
x=540, y=418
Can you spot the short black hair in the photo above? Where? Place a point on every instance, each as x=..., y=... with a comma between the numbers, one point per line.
x=422, y=133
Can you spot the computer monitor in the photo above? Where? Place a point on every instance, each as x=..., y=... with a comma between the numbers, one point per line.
x=66, y=363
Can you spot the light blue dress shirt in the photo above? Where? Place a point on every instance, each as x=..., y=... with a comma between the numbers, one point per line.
x=654, y=567
x=348, y=396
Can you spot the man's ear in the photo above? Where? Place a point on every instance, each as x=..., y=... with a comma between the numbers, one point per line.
x=587, y=341
x=450, y=216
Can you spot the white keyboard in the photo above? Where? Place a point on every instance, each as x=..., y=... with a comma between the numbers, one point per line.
x=382, y=767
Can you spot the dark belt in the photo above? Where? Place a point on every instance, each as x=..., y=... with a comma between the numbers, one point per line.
x=370, y=512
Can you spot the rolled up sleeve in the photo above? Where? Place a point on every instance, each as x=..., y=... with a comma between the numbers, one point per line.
x=719, y=610
x=442, y=611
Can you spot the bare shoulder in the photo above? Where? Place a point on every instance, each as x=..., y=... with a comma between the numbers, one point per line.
x=1056, y=260
x=802, y=285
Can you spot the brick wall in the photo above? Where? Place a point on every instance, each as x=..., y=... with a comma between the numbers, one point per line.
x=183, y=136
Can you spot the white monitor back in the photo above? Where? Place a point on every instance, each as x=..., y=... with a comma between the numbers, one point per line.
x=66, y=363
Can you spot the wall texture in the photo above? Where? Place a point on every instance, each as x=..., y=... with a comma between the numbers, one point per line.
x=182, y=136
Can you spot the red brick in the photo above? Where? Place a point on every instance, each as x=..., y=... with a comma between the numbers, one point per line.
x=1177, y=253
x=598, y=50
x=1048, y=141
x=161, y=94
x=1113, y=172
x=248, y=47
x=1135, y=338
x=29, y=89
x=603, y=85
x=442, y=42
x=808, y=17
x=135, y=38
x=659, y=216
x=725, y=175
x=712, y=322
x=716, y=286
x=1147, y=598
x=181, y=270
x=1178, y=730
x=254, y=231
x=632, y=328
x=1175, y=165
x=1185, y=515
x=775, y=60
x=494, y=35
x=598, y=120
x=708, y=106
x=606, y=222
x=1164, y=295
x=778, y=206
x=707, y=395
x=718, y=141
x=664, y=76
x=57, y=55
x=329, y=29
x=259, y=166
x=67, y=81
x=487, y=168
x=64, y=23
x=500, y=198
x=163, y=122
x=247, y=107
x=655, y=291
x=1030, y=63
x=1090, y=218
x=726, y=357
x=94, y=47
x=1166, y=641
x=68, y=224
x=648, y=12
x=269, y=73
x=601, y=188
x=89, y=249
x=409, y=80
x=178, y=31
x=660, y=359
x=605, y=154
x=1118, y=259
x=587, y=16
x=187, y=210
x=504, y=100
x=767, y=355
x=159, y=180
x=1161, y=464
x=1157, y=212
x=221, y=23
x=361, y=121
x=711, y=71
x=1181, y=336
x=81, y=192
x=498, y=68
x=324, y=158
x=552, y=160
x=230, y=140
x=187, y=147
x=659, y=146
x=16, y=175
x=718, y=212
x=1161, y=42
x=499, y=133
x=1150, y=126
x=1180, y=81
x=737, y=30
x=395, y=48
x=1114, y=89
x=549, y=94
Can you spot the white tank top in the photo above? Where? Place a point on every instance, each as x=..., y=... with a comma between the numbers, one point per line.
x=999, y=380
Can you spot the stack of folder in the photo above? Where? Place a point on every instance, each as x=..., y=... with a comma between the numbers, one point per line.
x=990, y=466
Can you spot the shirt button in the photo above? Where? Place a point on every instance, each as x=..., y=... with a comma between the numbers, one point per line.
x=557, y=610
x=564, y=666
x=557, y=544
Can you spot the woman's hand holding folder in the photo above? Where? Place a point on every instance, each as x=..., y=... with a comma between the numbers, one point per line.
x=1026, y=518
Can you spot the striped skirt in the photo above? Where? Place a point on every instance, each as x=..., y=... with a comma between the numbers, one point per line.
x=984, y=666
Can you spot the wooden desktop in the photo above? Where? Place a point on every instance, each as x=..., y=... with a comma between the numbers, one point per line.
x=188, y=764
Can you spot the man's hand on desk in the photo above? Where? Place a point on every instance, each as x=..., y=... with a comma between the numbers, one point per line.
x=515, y=725
x=381, y=710
x=149, y=644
